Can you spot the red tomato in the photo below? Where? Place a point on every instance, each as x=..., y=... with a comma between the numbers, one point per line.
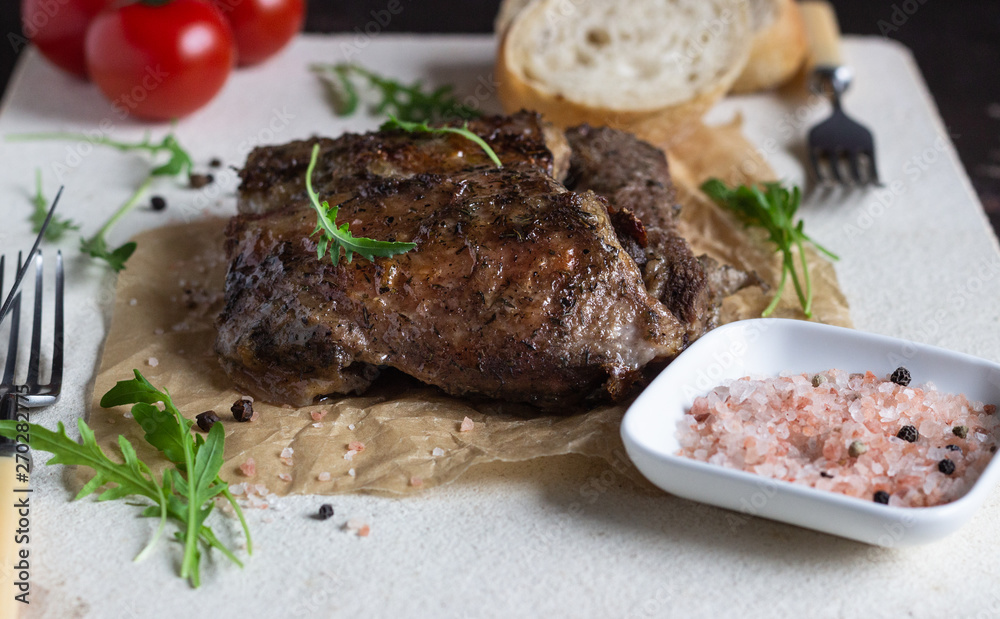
x=160, y=61
x=262, y=27
x=59, y=27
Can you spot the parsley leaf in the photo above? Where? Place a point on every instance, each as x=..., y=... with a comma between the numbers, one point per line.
x=408, y=102
x=422, y=127
x=184, y=494
x=57, y=225
x=772, y=208
x=333, y=237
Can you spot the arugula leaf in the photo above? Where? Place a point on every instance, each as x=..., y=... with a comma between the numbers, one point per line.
x=773, y=209
x=133, y=477
x=422, y=127
x=409, y=102
x=178, y=162
x=334, y=238
x=185, y=494
x=97, y=248
x=58, y=225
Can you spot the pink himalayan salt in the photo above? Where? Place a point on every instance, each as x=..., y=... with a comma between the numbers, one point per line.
x=249, y=467
x=416, y=482
x=324, y=476
x=467, y=425
x=284, y=477
x=356, y=446
x=787, y=428
x=318, y=415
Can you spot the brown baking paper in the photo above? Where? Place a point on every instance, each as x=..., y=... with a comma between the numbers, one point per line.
x=163, y=326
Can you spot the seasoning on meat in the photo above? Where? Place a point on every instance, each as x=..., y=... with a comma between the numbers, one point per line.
x=519, y=288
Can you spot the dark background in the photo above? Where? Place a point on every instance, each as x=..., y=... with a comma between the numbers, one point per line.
x=956, y=44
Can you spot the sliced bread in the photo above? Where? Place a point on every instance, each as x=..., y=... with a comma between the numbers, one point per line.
x=645, y=66
x=779, y=45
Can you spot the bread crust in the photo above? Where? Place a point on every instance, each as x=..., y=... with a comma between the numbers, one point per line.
x=657, y=125
x=777, y=53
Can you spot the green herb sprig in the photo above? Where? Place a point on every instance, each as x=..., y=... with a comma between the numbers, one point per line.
x=58, y=225
x=335, y=237
x=185, y=494
x=773, y=208
x=178, y=162
x=408, y=102
x=423, y=127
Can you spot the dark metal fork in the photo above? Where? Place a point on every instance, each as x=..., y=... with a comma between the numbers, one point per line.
x=33, y=393
x=841, y=150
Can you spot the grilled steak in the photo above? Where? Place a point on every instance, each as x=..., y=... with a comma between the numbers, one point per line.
x=518, y=289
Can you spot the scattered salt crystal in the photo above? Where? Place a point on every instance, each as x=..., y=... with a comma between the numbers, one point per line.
x=350, y=454
x=467, y=425
x=318, y=415
x=351, y=472
x=249, y=467
x=157, y=331
x=317, y=425
x=133, y=301
x=153, y=362
x=416, y=482
x=437, y=451
x=127, y=414
x=324, y=476
x=284, y=477
x=350, y=427
x=287, y=452
x=356, y=446
x=237, y=489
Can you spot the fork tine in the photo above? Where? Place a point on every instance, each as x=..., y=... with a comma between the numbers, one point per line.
x=15, y=324
x=853, y=160
x=55, y=380
x=835, y=168
x=816, y=160
x=872, y=168
x=34, y=357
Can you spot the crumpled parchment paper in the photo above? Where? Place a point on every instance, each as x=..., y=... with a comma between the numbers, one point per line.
x=412, y=434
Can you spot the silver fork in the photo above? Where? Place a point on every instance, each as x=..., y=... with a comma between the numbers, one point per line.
x=841, y=150
x=33, y=393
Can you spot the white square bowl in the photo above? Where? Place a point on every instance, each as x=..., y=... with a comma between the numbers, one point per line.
x=769, y=347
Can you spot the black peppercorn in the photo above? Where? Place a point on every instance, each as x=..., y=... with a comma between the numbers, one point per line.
x=325, y=511
x=242, y=410
x=953, y=448
x=960, y=431
x=157, y=203
x=206, y=420
x=215, y=162
x=946, y=466
x=882, y=497
x=198, y=181
x=900, y=376
x=908, y=434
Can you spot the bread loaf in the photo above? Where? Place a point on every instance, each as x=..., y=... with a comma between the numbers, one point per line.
x=644, y=66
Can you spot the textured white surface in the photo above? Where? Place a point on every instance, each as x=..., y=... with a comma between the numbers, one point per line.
x=560, y=537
